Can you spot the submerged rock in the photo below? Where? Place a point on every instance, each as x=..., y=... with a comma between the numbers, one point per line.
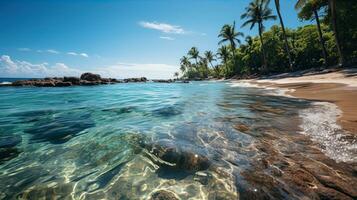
x=167, y=111
x=60, y=129
x=178, y=156
x=241, y=127
x=9, y=141
x=163, y=195
x=8, y=148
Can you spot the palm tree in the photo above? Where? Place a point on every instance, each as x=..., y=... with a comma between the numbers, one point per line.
x=287, y=48
x=256, y=13
x=223, y=54
x=313, y=6
x=332, y=8
x=176, y=74
x=194, y=54
x=229, y=34
x=209, y=57
x=185, y=64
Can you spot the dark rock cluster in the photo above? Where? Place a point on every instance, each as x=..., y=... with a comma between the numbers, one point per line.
x=8, y=147
x=135, y=80
x=163, y=80
x=85, y=79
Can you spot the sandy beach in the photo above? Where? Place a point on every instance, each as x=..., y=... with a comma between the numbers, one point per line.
x=334, y=86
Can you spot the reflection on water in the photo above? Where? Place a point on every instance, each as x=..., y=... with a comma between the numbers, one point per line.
x=162, y=141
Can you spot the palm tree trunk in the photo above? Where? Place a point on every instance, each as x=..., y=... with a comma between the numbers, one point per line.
x=262, y=48
x=322, y=41
x=211, y=64
x=287, y=48
x=332, y=4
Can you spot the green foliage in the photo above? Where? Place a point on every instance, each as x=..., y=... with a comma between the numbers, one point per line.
x=304, y=43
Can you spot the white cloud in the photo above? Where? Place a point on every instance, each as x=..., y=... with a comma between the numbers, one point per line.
x=52, y=51
x=166, y=28
x=72, y=53
x=78, y=54
x=167, y=38
x=84, y=55
x=14, y=68
x=126, y=70
x=24, y=49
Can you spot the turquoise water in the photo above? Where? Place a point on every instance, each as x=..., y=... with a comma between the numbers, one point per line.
x=128, y=141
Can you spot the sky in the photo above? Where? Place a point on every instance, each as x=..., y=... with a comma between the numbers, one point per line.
x=115, y=38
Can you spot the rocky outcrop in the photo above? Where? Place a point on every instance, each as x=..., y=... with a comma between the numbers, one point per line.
x=135, y=80
x=73, y=80
x=86, y=79
x=163, y=81
x=90, y=77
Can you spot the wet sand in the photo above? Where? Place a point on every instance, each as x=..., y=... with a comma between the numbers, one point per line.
x=339, y=87
x=295, y=159
x=344, y=96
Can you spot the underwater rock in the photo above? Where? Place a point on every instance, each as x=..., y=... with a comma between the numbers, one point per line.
x=163, y=195
x=33, y=115
x=8, y=148
x=8, y=154
x=9, y=141
x=167, y=111
x=60, y=129
x=179, y=156
x=121, y=110
x=241, y=127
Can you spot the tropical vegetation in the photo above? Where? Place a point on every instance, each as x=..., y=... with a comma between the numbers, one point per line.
x=330, y=41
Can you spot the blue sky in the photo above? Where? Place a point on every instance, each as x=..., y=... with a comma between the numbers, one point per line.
x=122, y=38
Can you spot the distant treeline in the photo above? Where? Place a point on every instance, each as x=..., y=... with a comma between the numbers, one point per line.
x=330, y=41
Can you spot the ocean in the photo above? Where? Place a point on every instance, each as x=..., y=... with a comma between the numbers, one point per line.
x=203, y=140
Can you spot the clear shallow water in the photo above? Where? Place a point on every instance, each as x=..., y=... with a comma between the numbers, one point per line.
x=127, y=141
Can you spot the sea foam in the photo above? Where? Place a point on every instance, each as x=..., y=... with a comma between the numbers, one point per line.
x=320, y=122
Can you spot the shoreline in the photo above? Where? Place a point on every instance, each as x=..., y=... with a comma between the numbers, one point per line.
x=337, y=87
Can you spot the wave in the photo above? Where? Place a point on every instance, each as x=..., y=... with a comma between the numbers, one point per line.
x=5, y=83
x=320, y=123
x=269, y=90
